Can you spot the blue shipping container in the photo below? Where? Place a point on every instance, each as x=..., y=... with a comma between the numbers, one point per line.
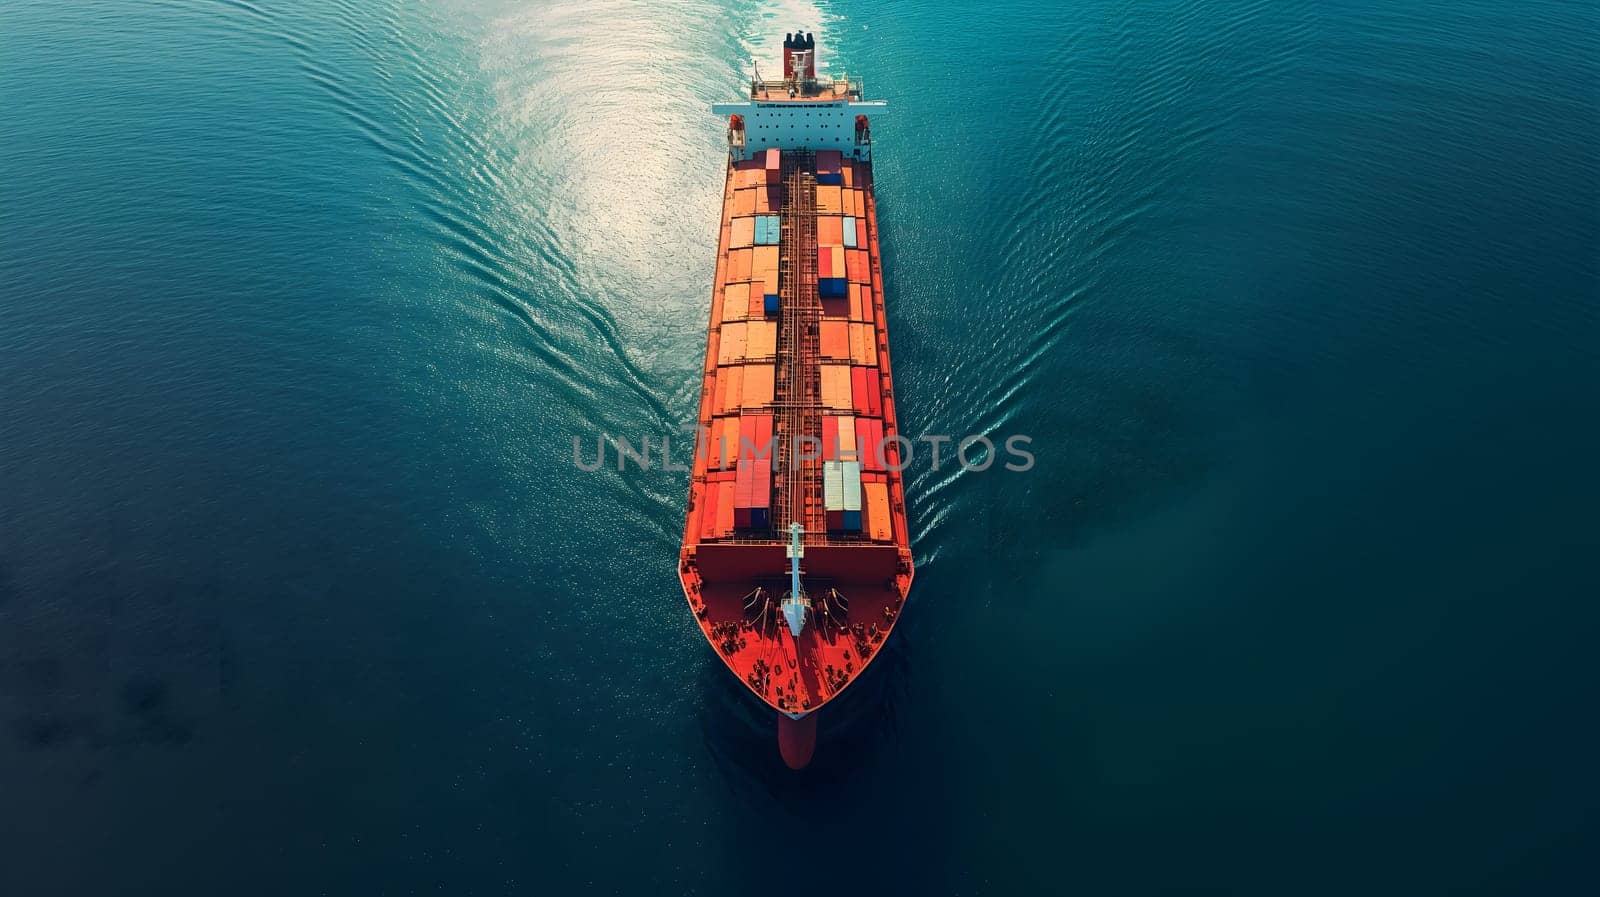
x=833, y=287
x=769, y=303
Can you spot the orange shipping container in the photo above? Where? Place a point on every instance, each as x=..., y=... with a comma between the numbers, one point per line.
x=768, y=281
x=836, y=385
x=835, y=338
x=830, y=231
x=744, y=232
x=847, y=439
x=761, y=339
x=738, y=265
x=864, y=344
x=730, y=383
x=855, y=262
x=764, y=258
x=848, y=172
x=730, y=347
x=744, y=202
x=723, y=442
x=847, y=202
x=879, y=524
x=768, y=200
x=828, y=200
x=757, y=386
x=736, y=301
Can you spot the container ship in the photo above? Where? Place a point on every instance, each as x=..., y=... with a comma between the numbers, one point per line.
x=796, y=559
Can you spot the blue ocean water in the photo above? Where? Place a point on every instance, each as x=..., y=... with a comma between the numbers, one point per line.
x=301, y=305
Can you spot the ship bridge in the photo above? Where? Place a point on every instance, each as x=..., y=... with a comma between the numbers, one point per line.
x=800, y=111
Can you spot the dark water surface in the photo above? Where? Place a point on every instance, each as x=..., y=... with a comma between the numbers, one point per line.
x=301, y=304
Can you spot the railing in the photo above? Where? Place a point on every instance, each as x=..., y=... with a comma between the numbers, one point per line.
x=837, y=88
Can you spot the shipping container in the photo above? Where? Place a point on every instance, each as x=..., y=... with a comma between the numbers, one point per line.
x=761, y=495
x=828, y=200
x=755, y=436
x=830, y=230
x=834, y=337
x=848, y=171
x=858, y=391
x=739, y=264
x=767, y=199
x=848, y=449
x=850, y=476
x=756, y=387
x=708, y=514
x=743, y=488
x=763, y=258
x=863, y=344
x=744, y=202
x=874, y=393
x=743, y=233
x=879, y=522
x=824, y=262
x=830, y=437
x=769, y=230
x=836, y=385
x=856, y=265
x=830, y=180
x=829, y=161
x=833, y=288
x=870, y=431
x=768, y=281
x=847, y=226
x=769, y=304
x=724, y=447
x=760, y=339
x=833, y=485
x=730, y=346
x=736, y=302
x=729, y=387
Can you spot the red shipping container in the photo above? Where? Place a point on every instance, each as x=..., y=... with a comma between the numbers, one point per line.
x=871, y=429
x=708, y=514
x=764, y=433
x=858, y=390
x=761, y=484
x=830, y=437
x=747, y=437
x=824, y=262
x=741, y=495
x=874, y=393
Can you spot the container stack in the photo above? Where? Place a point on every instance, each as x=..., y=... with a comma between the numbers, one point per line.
x=830, y=164
x=752, y=488
x=841, y=495
x=768, y=233
x=832, y=272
